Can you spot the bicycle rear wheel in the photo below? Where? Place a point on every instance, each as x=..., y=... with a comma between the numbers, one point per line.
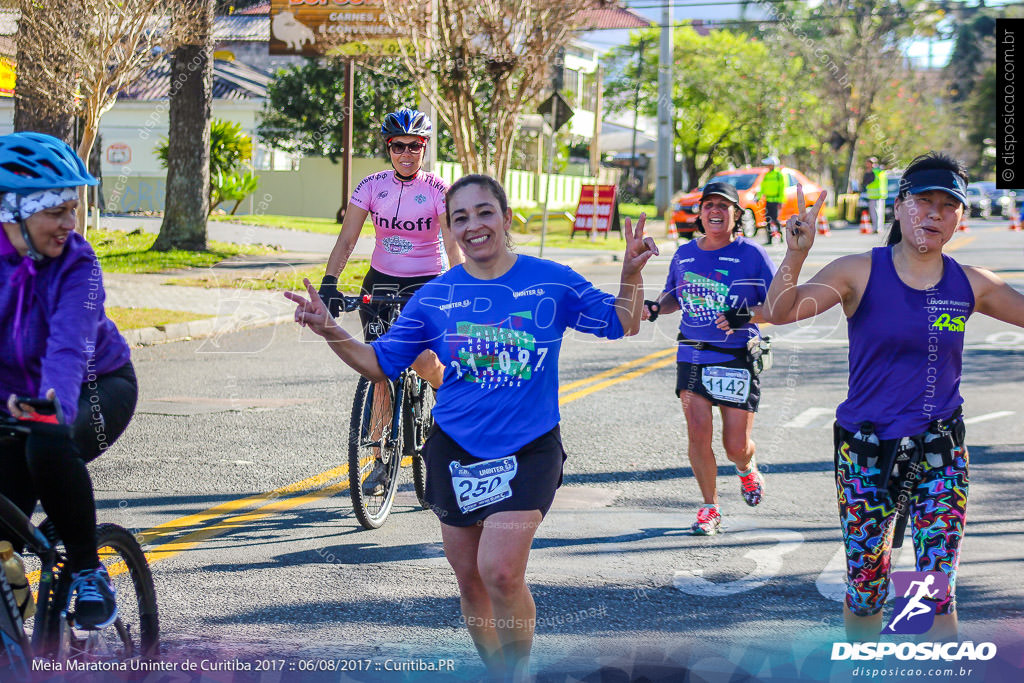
x=136, y=632
x=371, y=441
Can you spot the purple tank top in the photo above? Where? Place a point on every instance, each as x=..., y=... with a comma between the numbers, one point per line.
x=906, y=350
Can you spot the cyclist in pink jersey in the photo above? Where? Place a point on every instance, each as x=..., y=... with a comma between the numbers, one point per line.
x=413, y=241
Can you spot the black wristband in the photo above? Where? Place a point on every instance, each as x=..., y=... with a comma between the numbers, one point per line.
x=738, y=317
x=330, y=295
x=653, y=309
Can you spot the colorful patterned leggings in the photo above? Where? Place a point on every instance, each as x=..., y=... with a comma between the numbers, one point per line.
x=867, y=514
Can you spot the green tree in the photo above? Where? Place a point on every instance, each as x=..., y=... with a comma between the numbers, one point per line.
x=230, y=157
x=732, y=102
x=305, y=108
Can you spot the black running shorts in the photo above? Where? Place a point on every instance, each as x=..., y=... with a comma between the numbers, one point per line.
x=717, y=385
x=538, y=475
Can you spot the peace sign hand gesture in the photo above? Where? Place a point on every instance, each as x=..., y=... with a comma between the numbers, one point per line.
x=312, y=312
x=639, y=249
x=800, y=227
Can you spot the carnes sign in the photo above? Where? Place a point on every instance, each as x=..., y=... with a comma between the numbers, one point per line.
x=337, y=27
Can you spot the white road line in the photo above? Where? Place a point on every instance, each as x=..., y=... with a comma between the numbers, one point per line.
x=987, y=416
x=767, y=560
x=809, y=416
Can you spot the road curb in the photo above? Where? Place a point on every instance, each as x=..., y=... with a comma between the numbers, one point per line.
x=195, y=329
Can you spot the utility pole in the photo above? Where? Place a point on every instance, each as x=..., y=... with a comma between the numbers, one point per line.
x=425, y=105
x=636, y=109
x=666, y=156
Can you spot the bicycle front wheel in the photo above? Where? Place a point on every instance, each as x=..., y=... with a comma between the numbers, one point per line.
x=421, y=415
x=374, y=452
x=135, y=634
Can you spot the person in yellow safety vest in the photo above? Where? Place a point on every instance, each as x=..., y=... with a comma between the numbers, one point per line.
x=876, y=184
x=773, y=189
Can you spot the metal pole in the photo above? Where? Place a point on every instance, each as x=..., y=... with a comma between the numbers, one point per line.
x=547, y=183
x=636, y=110
x=346, y=135
x=666, y=156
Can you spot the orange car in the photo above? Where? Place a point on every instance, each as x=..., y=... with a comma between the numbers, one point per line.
x=686, y=207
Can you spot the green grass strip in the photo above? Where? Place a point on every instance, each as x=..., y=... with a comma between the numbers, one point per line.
x=128, y=252
x=135, y=318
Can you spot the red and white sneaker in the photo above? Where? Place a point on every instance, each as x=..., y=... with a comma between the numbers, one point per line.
x=708, y=521
x=752, y=487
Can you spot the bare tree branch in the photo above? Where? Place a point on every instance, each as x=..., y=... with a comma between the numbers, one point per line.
x=482, y=63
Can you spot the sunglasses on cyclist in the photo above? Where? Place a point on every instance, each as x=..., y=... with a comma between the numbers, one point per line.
x=400, y=147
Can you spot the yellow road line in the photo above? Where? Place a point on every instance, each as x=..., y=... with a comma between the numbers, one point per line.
x=309, y=491
x=960, y=242
x=621, y=378
x=615, y=370
x=169, y=528
x=189, y=541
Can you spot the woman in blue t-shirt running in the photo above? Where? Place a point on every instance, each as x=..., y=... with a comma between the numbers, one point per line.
x=495, y=458
x=899, y=446
x=721, y=278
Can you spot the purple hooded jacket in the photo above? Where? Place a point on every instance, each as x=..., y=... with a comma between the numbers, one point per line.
x=56, y=333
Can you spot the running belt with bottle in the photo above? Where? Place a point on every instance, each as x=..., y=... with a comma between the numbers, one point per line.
x=406, y=220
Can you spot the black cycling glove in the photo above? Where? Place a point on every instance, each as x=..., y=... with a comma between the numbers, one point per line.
x=330, y=295
x=653, y=309
x=738, y=317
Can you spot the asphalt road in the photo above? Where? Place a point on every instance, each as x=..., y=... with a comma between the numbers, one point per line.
x=246, y=571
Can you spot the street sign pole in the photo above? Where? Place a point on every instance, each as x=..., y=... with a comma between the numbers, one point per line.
x=551, y=169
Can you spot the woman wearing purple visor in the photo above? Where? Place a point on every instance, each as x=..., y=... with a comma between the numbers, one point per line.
x=899, y=448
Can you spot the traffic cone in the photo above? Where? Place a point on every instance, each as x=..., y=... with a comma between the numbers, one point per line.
x=865, y=223
x=963, y=224
x=672, y=232
x=1014, y=223
x=823, y=225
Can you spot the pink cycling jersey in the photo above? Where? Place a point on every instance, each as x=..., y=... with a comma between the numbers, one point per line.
x=407, y=222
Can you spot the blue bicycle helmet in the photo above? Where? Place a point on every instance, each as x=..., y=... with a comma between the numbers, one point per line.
x=34, y=161
x=405, y=122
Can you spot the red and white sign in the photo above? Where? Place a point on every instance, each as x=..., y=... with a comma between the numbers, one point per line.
x=119, y=154
x=597, y=211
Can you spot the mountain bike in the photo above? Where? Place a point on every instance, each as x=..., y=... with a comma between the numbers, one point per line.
x=390, y=423
x=135, y=634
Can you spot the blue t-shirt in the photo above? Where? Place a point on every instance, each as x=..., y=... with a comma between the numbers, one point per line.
x=499, y=341
x=705, y=283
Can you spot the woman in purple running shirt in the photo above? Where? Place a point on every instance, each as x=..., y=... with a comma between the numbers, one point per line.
x=900, y=457
x=720, y=278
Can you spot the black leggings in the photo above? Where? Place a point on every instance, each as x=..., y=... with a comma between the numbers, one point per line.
x=48, y=468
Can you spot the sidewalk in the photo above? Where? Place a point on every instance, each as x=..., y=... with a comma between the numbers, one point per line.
x=241, y=308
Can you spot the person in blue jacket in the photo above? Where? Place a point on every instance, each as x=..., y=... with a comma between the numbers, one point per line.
x=495, y=457
x=57, y=343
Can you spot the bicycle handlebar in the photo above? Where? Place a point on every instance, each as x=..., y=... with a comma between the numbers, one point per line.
x=351, y=303
x=44, y=406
